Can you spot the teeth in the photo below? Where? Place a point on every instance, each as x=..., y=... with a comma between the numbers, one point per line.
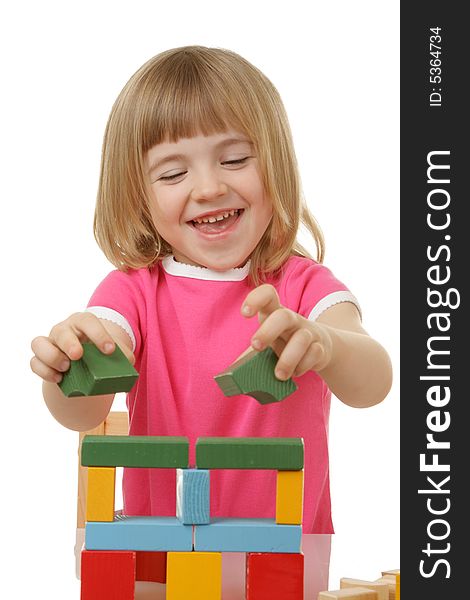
x=220, y=217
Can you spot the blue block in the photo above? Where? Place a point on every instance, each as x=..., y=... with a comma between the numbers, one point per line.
x=139, y=533
x=247, y=535
x=193, y=496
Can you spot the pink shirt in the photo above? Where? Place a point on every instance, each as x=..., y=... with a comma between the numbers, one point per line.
x=186, y=327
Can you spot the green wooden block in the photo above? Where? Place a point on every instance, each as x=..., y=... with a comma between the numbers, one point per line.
x=135, y=451
x=97, y=373
x=282, y=454
x=253, y=374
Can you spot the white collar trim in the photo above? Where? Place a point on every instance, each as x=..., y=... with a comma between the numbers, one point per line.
x=172, y=267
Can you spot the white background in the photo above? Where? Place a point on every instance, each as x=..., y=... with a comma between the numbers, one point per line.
x=63, y=64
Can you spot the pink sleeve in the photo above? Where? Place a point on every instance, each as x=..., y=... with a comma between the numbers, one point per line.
x=310, y=288
x=118, y=299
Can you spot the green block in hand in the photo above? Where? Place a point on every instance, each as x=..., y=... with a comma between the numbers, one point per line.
x=253, y=374
x=97, y=373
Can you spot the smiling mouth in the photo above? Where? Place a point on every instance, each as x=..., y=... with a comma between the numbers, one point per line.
x=217, y=223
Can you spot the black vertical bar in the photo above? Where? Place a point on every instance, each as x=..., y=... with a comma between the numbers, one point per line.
x=435, y=332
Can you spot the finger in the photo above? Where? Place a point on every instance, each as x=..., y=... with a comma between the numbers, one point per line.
x=279, y=324
x=46, y=373
x=78, y=328
x=293, y=353
x=262, y=300
x=49, y=354
x=312, y=360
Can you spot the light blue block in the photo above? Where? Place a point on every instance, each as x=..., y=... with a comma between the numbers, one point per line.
x=139, y=533
x=247, y=535
x=193, y=496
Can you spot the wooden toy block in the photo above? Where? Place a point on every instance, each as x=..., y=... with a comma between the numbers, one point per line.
x=107, y=575
x=247, y=535
x=193, y=496
x=380, y=588
x=253, y=374
x=156, y=534
x=284, y=454
x=350, y=593
x=391, y=583
x=135, y=451
x=395, y=575
x=274, y=576
x=194, y=576
x=151, y=566
x=100, y=498
x=289, y=497
x=97, y=373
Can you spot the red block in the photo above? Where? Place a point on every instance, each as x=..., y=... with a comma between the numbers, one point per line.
x=151, y=566
x=274, y=576
x=108, y=575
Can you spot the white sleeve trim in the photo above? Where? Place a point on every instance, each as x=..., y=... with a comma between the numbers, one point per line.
x=103, y=312
x=331, y=300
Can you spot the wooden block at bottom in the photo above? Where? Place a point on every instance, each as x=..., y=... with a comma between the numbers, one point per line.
x=100, y=498
x=274, y=576
x=253, y=374
x=391, y=586
x=289, y=497
x=350, y=593
x=194, y=575
x=151, y=566
x=379, y=587
x=107, y=574
x=97, y=373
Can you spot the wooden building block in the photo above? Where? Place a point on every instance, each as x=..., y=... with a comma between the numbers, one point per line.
x=107, y=575
x=151, y=566
x=135, y=451
x=395, y=575
x=286, y=454
x=193, y=496
x=253, y=374
x=289, y=497
x=350, y=593
x=379, y=587
x=194, y=576
x=97, y=373
x=247, y=535
x=391, y=583
x=274, y=576
x=156, y=534
x=101, y=489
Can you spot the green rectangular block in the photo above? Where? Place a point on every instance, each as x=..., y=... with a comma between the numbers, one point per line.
x=282, y=454
x=97, y=373
x=135, y=451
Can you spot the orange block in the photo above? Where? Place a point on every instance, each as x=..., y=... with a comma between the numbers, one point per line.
x=100, y=498
x=289, y=497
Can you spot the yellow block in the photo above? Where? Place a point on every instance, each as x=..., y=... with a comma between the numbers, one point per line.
x=194, y=575
x=397, y=596
x=289, y=497
x=100, y=499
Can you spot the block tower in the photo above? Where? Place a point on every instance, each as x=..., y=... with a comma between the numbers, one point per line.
x=185, y=551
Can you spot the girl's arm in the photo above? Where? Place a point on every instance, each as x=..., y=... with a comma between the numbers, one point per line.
x=355, y=367
x=83, y=412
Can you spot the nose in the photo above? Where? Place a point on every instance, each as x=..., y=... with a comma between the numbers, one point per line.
x=208, y=186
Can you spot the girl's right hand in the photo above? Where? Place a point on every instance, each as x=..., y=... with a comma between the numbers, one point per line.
x=52, y=355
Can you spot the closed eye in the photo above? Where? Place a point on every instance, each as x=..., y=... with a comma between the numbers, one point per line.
x=238, y=161
x=170, y=177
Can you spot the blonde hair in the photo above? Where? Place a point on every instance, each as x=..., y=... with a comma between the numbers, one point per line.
x=181, y=93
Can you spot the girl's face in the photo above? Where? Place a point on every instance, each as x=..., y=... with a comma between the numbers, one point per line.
x=207, y=199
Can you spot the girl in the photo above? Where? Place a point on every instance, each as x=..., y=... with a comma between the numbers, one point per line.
x=199, y=206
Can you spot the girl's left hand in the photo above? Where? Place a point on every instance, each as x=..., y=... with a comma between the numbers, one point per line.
x=300, y=344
